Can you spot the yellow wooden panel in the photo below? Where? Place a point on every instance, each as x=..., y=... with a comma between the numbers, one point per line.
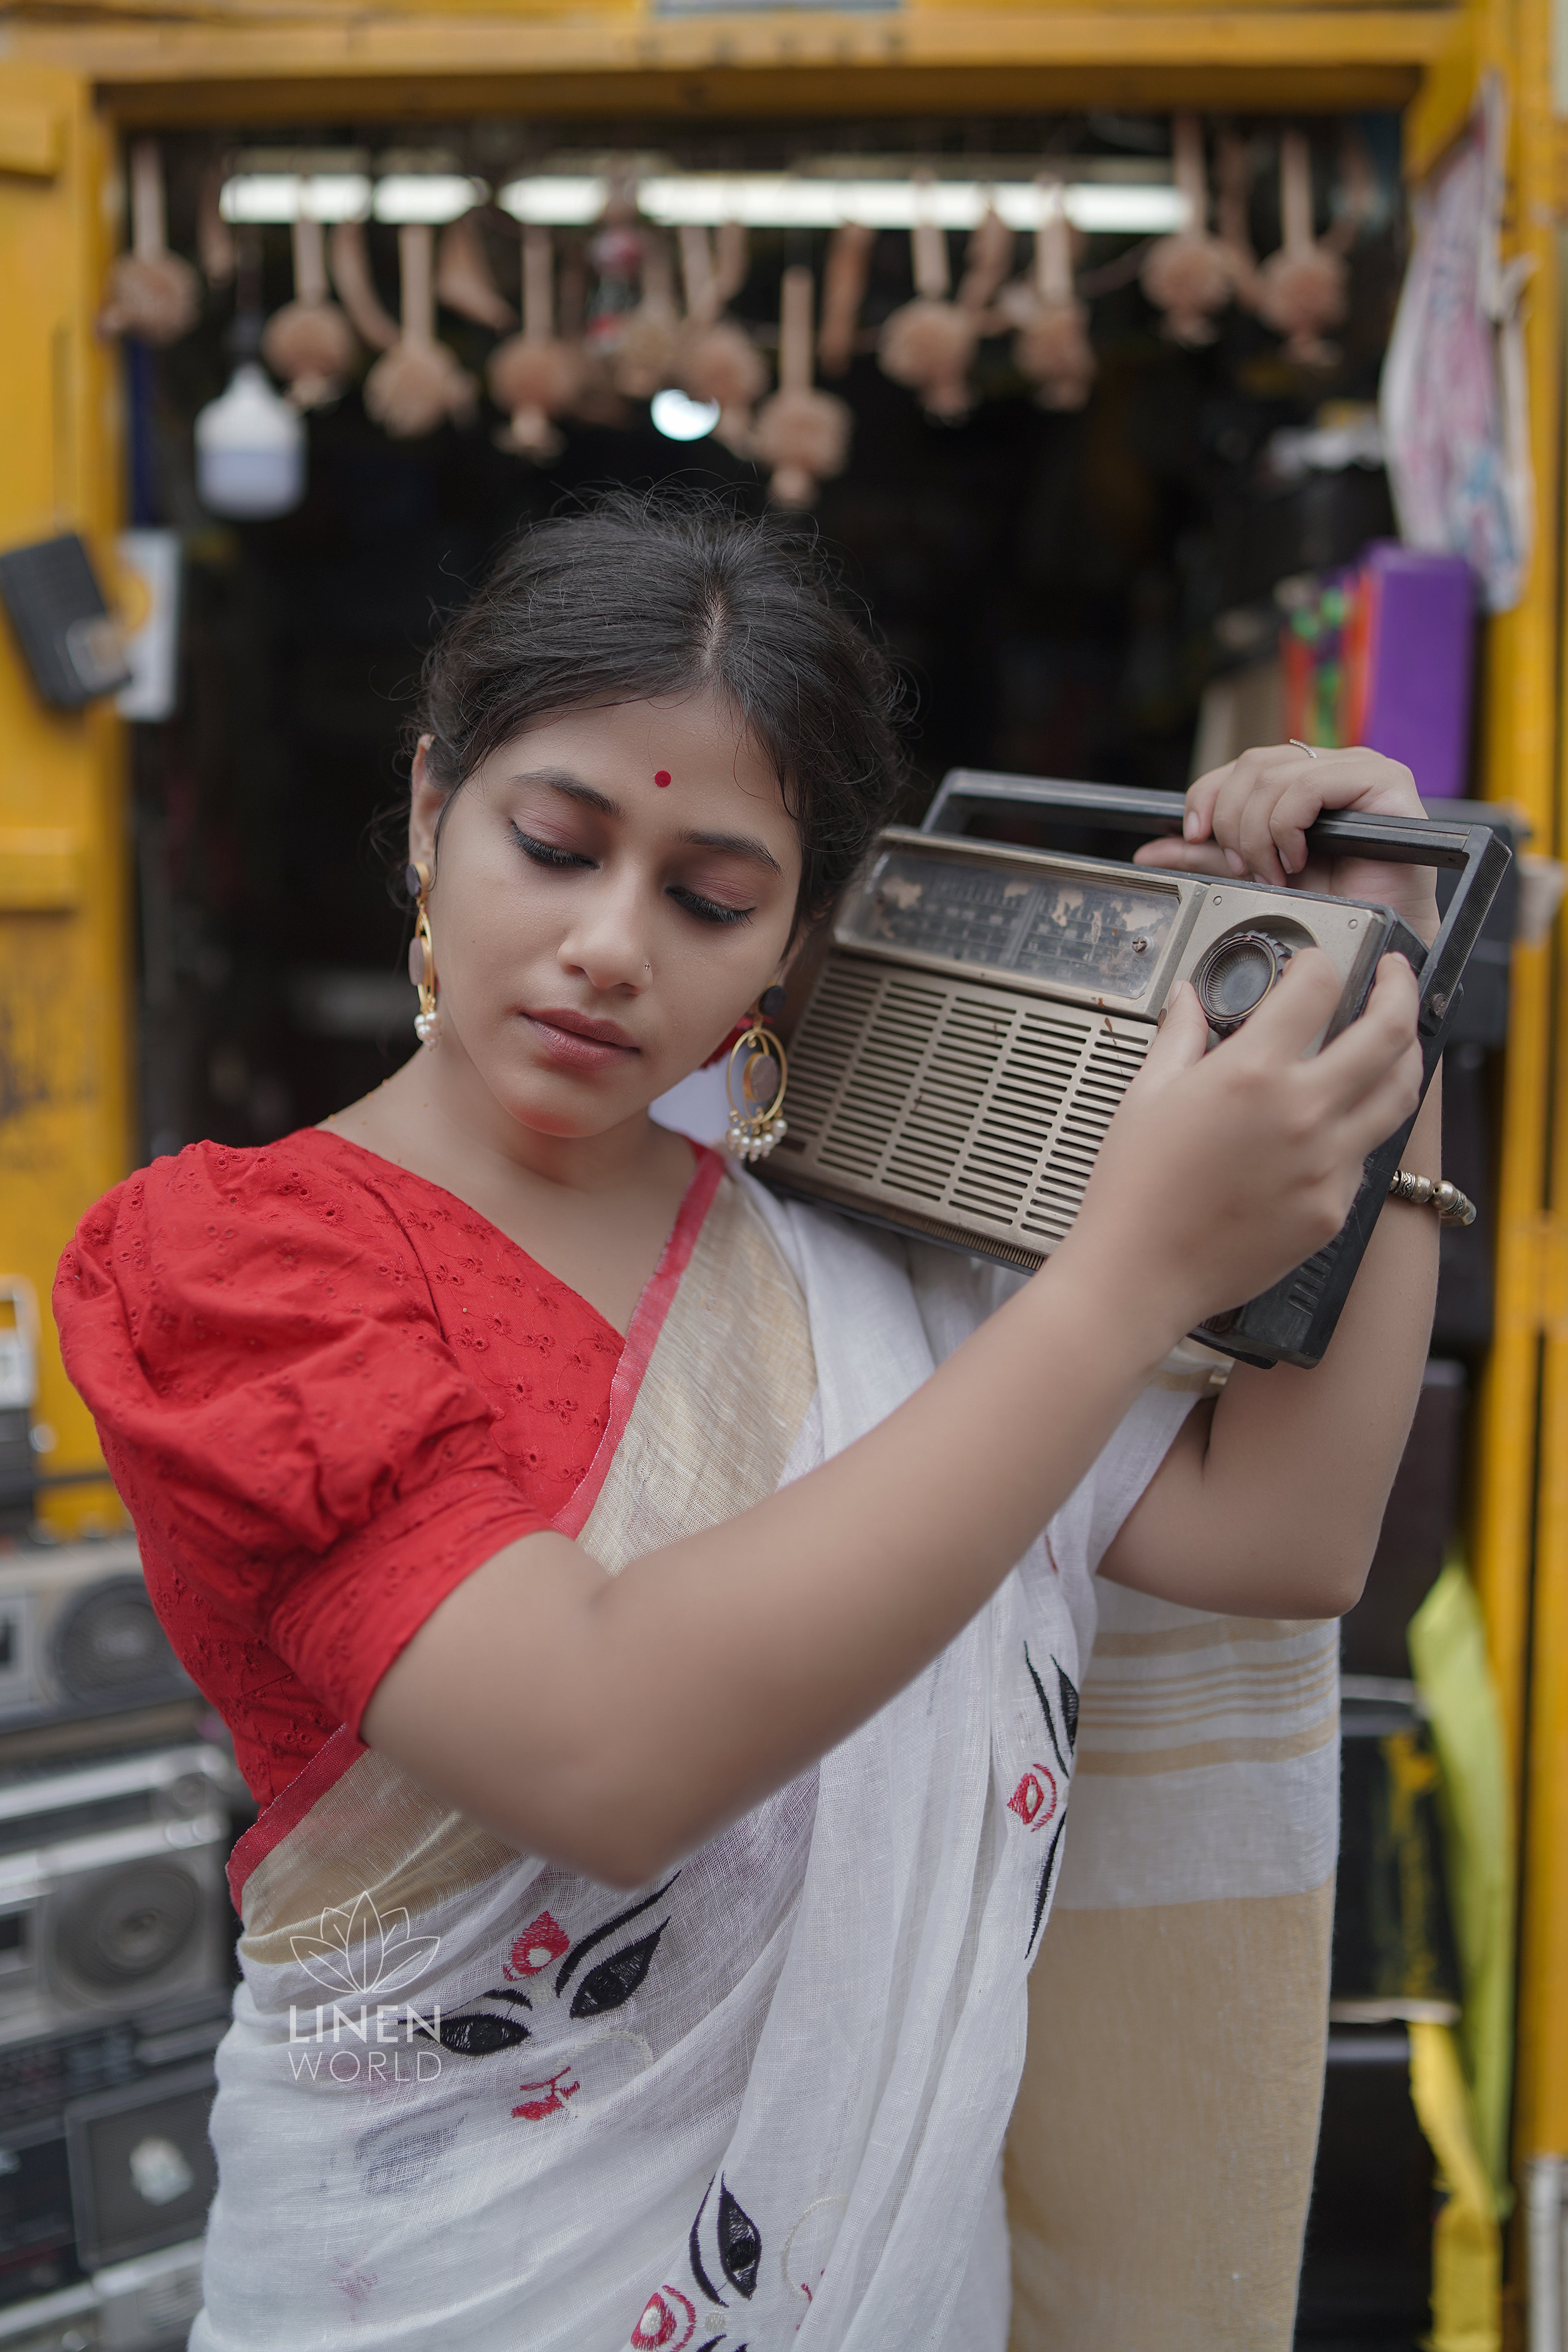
x=32, y=141
x=42, y=868
x=419, y=62
x=64, y=995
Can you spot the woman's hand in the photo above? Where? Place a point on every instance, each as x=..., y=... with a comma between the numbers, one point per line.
x=1223, y=1170
x=1249, y=819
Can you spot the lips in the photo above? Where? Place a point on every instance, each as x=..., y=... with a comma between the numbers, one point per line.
x=577, y=1043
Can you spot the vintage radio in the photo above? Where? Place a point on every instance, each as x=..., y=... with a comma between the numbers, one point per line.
x=105, y=2160
x=983, y=1008
x=79, y=1636
x=111, y=1885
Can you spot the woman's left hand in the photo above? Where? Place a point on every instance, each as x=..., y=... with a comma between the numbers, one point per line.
x=1248, y=821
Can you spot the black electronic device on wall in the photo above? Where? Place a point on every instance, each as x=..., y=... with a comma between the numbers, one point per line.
x=71, y=642
x=984, y=1007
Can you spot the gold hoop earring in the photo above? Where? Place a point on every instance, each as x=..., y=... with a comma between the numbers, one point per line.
x=422, y=956
x=755, y=1126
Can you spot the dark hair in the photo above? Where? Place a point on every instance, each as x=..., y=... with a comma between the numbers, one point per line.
x=660, y=594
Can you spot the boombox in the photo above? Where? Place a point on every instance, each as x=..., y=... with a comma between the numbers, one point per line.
x=983, y=1008
x=111, y=1885
x=78, y=1636
x=107, y=2172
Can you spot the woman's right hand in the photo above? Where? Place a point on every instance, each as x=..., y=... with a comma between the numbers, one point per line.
x=1223, y=1170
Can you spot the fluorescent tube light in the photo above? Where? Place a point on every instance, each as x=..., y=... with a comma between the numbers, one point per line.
x=265, y=197
x=704, y=199
x=402, y=197
x=789, y=200
x=433, y=196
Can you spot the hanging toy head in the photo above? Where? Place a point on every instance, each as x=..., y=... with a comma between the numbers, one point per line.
x=802, y=433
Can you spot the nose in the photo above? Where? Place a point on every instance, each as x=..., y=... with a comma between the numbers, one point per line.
x=608, y=936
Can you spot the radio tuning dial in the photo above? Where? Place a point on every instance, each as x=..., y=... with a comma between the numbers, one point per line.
x=1234, y=976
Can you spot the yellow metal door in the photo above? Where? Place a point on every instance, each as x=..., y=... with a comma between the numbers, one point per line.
x=64, y=998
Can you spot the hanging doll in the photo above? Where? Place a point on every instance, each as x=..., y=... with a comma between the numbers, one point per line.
x=988, y=258
x=309, y=343
x=718, y=361
x=152, y=294
x=648, y=352
x=929, y=344
x=356, y=288
x=802, y=433
x=1301, y=289
x=418, y=384
x=845, y=274
x=462, y=279
x=1192, y=274
x=1052, y=347
x=216, y=248
x=536, y=376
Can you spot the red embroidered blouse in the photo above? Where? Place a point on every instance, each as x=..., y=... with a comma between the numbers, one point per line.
x=327, y=1391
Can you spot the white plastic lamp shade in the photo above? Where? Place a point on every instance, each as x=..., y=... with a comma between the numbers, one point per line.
x=250, y=449
x=680, y=419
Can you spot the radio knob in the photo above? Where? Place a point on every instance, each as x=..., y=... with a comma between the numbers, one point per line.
x=1234, y=976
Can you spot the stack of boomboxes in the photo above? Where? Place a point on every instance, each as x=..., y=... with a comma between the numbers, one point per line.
x=118, y=1803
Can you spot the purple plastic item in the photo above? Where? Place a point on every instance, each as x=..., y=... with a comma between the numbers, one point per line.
x=1420, y=655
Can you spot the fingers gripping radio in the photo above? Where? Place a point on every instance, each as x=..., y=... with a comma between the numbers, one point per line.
x=983, y=1008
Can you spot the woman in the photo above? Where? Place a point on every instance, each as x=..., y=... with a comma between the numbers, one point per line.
x=689, y=1908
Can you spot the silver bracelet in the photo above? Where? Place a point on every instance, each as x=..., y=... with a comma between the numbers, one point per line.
x=1453, y=1207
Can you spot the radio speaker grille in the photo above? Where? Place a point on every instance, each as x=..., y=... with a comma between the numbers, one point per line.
x=109, y=1645
x=966, y=1106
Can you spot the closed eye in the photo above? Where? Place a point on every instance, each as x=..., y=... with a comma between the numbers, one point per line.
x=709, y=910
x=545, y=853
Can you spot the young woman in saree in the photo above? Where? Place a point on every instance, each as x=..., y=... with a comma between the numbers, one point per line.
x=652, y=1617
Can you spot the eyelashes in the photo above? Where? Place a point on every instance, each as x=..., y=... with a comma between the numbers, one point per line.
x=704, y=910
x=709, y=910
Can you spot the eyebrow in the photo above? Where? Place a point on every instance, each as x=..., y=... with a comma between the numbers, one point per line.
x=737, y=845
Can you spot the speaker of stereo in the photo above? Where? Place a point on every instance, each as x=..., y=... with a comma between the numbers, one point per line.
x=982, y=1009
x=104, y=2160
x=79, y=1636
x=112, y=1892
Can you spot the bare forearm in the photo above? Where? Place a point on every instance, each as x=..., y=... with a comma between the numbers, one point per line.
x=794, y=1622
x=1275, y=1508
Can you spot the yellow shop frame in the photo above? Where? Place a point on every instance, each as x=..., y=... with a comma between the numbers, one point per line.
x=73, y=77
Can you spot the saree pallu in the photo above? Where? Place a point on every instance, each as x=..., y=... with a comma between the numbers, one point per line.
x=761, y=2101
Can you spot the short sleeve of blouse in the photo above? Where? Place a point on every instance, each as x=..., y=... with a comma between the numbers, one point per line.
x=281, y=1412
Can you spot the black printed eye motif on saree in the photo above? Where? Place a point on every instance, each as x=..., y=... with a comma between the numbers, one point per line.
x=1039, y=1800
x=502, y=2019
x=725, y=2250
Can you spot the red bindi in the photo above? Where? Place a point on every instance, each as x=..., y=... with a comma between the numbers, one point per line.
x=663, y=776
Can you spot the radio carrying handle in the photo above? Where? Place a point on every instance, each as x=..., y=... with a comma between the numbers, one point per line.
x=1478, y=854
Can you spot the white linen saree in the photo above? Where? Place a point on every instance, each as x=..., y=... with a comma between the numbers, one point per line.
x=762, y=2101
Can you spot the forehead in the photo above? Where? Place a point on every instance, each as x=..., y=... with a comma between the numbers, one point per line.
x=712, y=765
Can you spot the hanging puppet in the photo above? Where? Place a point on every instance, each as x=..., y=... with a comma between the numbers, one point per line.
x=536, y=376
x=350, y=261
x=1052, y=347
x=309, y=343
x=152, y=294
x=418, y=384
x=801, y=432
x=718, y=360
x=463, y=278
x=845, y=274
x=929, y=343
x=1302, y=287
x=1194, y=274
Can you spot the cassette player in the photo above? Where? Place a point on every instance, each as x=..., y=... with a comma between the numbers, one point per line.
x=983, y=1008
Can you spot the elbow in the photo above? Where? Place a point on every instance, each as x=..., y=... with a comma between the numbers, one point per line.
x=1327, y=1585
